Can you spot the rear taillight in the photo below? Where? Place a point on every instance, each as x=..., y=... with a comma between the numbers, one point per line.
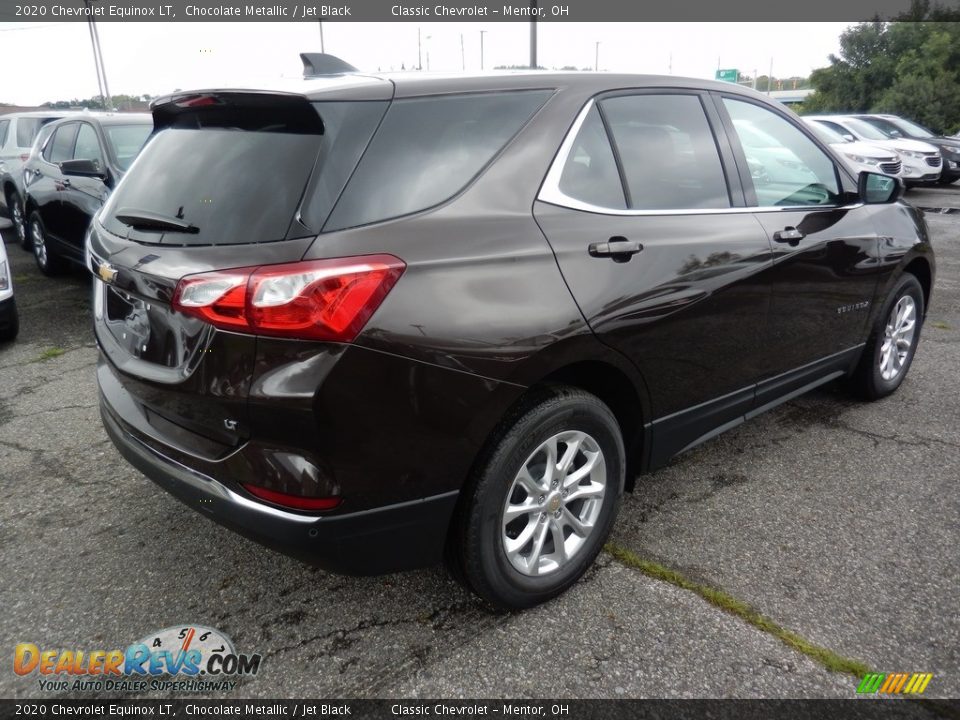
x=314, y=299
x=294, y=502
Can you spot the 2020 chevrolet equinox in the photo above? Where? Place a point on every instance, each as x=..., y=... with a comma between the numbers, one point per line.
x=377, y=321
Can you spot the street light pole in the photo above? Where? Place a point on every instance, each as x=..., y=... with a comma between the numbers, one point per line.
x=596, y=56
x=322, y=49
x=533, y=34
x=482, y=32
x=98, y=59
x=419, y=50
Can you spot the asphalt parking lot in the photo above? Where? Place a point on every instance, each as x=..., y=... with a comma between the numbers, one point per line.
x=835, y=520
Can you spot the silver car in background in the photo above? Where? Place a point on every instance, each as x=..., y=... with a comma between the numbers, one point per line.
x=859, y=156
x=921, y=161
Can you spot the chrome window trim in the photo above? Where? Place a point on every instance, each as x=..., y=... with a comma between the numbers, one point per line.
x=551, y=193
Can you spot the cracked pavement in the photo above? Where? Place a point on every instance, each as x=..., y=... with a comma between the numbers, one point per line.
x=838, y=520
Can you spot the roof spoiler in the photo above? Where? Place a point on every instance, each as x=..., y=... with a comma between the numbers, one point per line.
x=324, y=64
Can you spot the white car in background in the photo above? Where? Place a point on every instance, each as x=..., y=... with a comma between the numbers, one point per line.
x=922, y=162
x=859, y=156
x=9, y=319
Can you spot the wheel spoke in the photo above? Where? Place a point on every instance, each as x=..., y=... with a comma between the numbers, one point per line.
x=573, y=447
x=514, y=545
x=559, y=544
x=580, y=473
x=582, y=492
x=533, y=562
x=528, y=482
x=572, y=521
x=515, y=511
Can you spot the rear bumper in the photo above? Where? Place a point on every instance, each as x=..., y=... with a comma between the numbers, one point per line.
x=397, y=537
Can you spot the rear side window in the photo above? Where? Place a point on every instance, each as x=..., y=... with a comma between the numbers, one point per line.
x=4, y=127
x=27, y=130
x=669, y=156
x=427, y=150
x=590, y=173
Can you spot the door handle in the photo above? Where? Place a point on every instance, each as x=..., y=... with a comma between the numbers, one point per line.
x=617, y=248
x=788, y=235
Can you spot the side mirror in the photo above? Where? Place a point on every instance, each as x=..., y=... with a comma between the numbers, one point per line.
x=877, y=189
x=848, y=137
x=82, y=168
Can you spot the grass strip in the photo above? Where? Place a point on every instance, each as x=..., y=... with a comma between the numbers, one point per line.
x=726, y=602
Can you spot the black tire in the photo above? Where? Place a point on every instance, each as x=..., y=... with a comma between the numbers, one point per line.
x=15, y=211
x=478, y=535
x=47, y=259
x=9, y=321
x=868, y=379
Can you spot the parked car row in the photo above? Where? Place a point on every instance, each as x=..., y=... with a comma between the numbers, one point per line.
x=921, y=157
x=56, y=171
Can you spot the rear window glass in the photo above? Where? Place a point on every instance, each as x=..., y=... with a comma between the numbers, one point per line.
x=234, y=186
x=427, y=150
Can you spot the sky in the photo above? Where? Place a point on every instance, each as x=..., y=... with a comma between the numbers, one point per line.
x=156, y=58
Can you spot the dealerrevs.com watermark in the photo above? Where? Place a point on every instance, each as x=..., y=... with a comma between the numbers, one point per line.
x=189, y=658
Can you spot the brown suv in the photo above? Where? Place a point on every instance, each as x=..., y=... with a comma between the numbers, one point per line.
x=373, y=321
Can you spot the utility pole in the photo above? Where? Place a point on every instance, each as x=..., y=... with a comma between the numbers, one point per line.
x=596, y=56
x=419, y=50
x=463, y=58
x=533, y=34
x=481, y=48
x=755, y=78
x=98, y=59
x=770, y=77
x=670, y=65
x=322, y=49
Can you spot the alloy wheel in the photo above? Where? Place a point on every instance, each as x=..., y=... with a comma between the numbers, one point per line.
x=898, y=337
x=39, y=246
x=16, y=214
x=553, y=503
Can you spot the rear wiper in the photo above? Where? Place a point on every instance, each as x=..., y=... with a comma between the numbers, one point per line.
x=146, y=220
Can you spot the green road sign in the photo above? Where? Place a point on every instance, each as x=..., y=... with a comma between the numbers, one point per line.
x=728, y=75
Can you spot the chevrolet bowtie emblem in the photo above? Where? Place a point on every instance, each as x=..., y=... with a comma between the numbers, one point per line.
x=107, y=272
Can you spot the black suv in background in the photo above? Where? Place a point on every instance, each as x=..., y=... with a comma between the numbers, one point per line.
x=373, y=321
x=69, y=175
x=896, y=127
x=17, y=134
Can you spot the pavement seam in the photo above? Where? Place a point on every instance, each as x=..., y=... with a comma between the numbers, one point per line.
x=718, y=598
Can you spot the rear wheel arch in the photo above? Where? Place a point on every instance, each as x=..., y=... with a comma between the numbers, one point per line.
x=614, y=387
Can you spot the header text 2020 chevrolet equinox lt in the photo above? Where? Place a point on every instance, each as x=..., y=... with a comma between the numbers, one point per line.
x=376, y=321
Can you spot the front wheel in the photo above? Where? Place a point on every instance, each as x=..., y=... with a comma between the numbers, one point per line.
x=47, y=260
x=542, y=501
x=890, y=349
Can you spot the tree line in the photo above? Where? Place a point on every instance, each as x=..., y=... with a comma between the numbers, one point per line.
x=908, y=67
